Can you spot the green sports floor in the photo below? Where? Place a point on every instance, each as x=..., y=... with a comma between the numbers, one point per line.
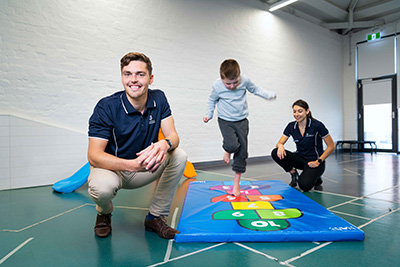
x=41, y=228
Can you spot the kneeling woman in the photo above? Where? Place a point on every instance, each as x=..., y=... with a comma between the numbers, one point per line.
x=310, y=156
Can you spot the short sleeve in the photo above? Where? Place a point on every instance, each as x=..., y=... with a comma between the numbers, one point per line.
x=165, y=108
x=322, y=130
x=288, y=131
x=100, y=124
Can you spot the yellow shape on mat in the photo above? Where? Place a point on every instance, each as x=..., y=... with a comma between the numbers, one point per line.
x=256, y=205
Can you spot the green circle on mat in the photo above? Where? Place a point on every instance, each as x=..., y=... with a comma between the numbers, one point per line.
x=264, y=225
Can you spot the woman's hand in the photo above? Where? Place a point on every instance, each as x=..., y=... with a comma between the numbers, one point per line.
x=281, y=153
x=313, y=164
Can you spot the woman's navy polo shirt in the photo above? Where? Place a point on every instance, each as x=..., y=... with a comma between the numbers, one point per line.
x=127, y=130
x=310, y=145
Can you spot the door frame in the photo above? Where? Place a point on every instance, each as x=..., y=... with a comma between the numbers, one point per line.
x=360, y=111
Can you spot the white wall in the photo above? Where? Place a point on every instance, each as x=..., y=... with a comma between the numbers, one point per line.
x=33, y=154
x=58, y=58
x=349, y=75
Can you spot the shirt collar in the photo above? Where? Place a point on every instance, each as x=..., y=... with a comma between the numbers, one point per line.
x=129, y=109
x=308, y=124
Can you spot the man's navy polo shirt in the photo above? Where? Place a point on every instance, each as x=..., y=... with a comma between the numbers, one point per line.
x=310, y=145
x=128, y=131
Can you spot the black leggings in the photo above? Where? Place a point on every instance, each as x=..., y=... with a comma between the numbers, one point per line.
x=292, y=161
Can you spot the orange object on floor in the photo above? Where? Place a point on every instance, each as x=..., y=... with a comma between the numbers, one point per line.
x=189, y=171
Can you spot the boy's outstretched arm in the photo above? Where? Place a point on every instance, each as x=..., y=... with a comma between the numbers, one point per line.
x=259, y=91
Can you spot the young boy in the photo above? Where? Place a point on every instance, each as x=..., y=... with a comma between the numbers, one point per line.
x=229, y=94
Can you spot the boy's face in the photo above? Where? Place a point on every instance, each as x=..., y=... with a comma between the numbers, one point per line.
x=231, y=84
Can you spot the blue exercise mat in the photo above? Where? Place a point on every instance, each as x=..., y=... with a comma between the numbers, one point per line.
x=266, y=211
x=73, y=182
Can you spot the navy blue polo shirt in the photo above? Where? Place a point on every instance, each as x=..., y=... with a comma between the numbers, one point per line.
x=310, y=145
x=127, y=130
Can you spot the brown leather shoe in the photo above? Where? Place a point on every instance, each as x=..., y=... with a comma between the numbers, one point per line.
x=103, y=225
x=160, y=227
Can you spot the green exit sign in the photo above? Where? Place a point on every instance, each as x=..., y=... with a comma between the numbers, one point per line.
x=374, y=36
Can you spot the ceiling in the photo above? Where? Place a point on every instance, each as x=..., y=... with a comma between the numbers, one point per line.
x=344, y=16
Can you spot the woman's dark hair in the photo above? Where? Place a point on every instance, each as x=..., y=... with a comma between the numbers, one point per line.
x=303, y=104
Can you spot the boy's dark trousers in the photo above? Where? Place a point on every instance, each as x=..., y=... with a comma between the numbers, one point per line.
x=234, y=134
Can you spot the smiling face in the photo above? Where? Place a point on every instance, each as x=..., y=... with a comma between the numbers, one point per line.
x=300, y=114
x=136, y=79
x=231, y=84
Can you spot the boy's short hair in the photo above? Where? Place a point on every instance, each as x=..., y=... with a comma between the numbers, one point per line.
x=136, y=56
x=229, y=69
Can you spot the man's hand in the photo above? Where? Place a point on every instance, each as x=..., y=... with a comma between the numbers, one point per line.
x=206, y=119
x=151, y=157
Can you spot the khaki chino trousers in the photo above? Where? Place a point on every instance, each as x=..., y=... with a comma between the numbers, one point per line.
x=104, y=184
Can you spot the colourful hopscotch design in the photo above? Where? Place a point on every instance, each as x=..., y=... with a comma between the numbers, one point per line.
x=252, y=210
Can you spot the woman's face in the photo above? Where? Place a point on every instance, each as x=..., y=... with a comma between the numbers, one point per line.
x=300, y=114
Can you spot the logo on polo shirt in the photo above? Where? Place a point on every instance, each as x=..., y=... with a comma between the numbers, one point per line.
x=151, y=121
x=309, y=135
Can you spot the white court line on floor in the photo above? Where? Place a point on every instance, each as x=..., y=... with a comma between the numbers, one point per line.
x=126, y=207
x=379, y=217
x=361, y=226
x=370, y=206
x=334, y=194
x=353, y=172
x=43, y=221
x=15, y=250
x=328, y=243
x=352, y=160
x=359, y=198
x=268, y=175
x=63, y=213
x=329, y=179
x=171, y=241
x=351, y=215
x=286, y=262
x=243, y=178
x=347, y=175
x=215, y=173
x=169, y=250
x=256, y=251
x=248, y=179
x=187, y=255
x=380, y=199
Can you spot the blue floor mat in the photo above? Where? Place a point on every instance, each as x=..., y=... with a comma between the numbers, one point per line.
x=266, y=211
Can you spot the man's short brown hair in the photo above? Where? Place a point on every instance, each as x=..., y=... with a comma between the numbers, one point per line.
x=135, y=56
x=229, y=69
